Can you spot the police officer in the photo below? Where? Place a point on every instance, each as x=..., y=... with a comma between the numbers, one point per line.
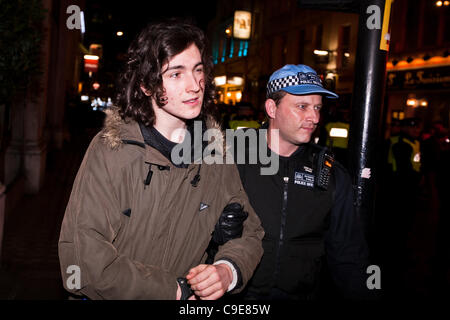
x=404, y=187
x=404, y=153
x=406, y=163
x=306, y=209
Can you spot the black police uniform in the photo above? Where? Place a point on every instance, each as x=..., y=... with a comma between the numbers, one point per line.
x=304, y=224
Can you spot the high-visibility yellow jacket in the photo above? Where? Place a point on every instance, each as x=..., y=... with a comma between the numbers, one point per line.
x=337, y=142
x=415, y=154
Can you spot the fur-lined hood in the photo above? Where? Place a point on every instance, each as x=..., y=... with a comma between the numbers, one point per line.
x=116, y=130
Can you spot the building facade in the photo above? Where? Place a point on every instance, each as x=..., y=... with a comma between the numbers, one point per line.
x=418, y=70
x=281, y=33
x=35, y=120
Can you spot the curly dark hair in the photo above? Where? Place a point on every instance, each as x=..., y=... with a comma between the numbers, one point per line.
x=155, y=45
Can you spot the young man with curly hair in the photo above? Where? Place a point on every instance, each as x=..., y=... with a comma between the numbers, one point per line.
x=137, y=224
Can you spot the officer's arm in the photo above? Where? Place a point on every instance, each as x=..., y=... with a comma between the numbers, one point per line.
x=346, y=247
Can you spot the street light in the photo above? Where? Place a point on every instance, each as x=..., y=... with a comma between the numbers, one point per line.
x=411, y=102
x=238, y=96
x=423, y=103
x=119, y=33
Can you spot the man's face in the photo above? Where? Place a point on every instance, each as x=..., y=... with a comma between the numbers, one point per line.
x=184, y=85
x=296, y=117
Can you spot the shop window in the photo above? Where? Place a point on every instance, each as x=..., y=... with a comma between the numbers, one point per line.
x=446, y=23
x=412, y=25
x=301, y=46
x=430, y=24
x=343, y=57
x=397, y=115
x=283, y=50
x=215, y=51
x=224, y=50
x=318, y=37
x=230, y=55
x=243, y=48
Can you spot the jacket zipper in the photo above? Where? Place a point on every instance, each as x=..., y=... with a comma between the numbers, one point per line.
x=282, y=225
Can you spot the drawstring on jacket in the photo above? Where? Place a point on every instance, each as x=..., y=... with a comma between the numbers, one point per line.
x=149, y=176
x=150, y=172
x=196, y=179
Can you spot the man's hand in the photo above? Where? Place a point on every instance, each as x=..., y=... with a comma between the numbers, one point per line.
x=178, y=292
x=210, y=282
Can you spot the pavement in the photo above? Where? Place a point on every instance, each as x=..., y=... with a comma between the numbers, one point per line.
x=29, y=263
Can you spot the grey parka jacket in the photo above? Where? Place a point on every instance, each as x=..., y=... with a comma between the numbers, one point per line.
x=131, y=240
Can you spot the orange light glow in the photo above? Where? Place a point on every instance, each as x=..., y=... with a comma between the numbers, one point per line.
x=419, y=62
x=412, y=102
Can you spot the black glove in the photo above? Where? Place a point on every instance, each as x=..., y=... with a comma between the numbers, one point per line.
x=185, y=288
x=229, y=226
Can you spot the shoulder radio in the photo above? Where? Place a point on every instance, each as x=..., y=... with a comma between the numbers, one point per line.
x=324, y=163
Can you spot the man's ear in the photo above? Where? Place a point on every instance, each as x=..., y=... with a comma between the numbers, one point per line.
x=271, y=108
x=145, y=91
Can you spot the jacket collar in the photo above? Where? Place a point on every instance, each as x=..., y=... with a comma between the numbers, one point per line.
x=116, y=132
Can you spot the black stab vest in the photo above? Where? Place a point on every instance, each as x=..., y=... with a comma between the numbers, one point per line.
x=294, y=215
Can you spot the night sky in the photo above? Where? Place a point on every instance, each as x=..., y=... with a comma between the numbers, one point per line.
x=103, y=18
x=132, y=15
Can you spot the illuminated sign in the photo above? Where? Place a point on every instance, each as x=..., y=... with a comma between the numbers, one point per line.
x=338, y=133
x=425, y=78
x=236, y=81
x=242, y=26
x=90, y=63
x=220, y=81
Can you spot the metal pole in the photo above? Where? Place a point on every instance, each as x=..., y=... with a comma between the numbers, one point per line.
x=367, y=105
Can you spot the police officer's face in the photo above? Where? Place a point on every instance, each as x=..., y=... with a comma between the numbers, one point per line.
x=296, y=117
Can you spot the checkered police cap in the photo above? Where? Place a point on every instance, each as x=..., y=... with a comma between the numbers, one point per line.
x=297, y=79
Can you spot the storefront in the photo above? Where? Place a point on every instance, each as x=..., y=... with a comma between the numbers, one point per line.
x=419, y=89
x=229, y=89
